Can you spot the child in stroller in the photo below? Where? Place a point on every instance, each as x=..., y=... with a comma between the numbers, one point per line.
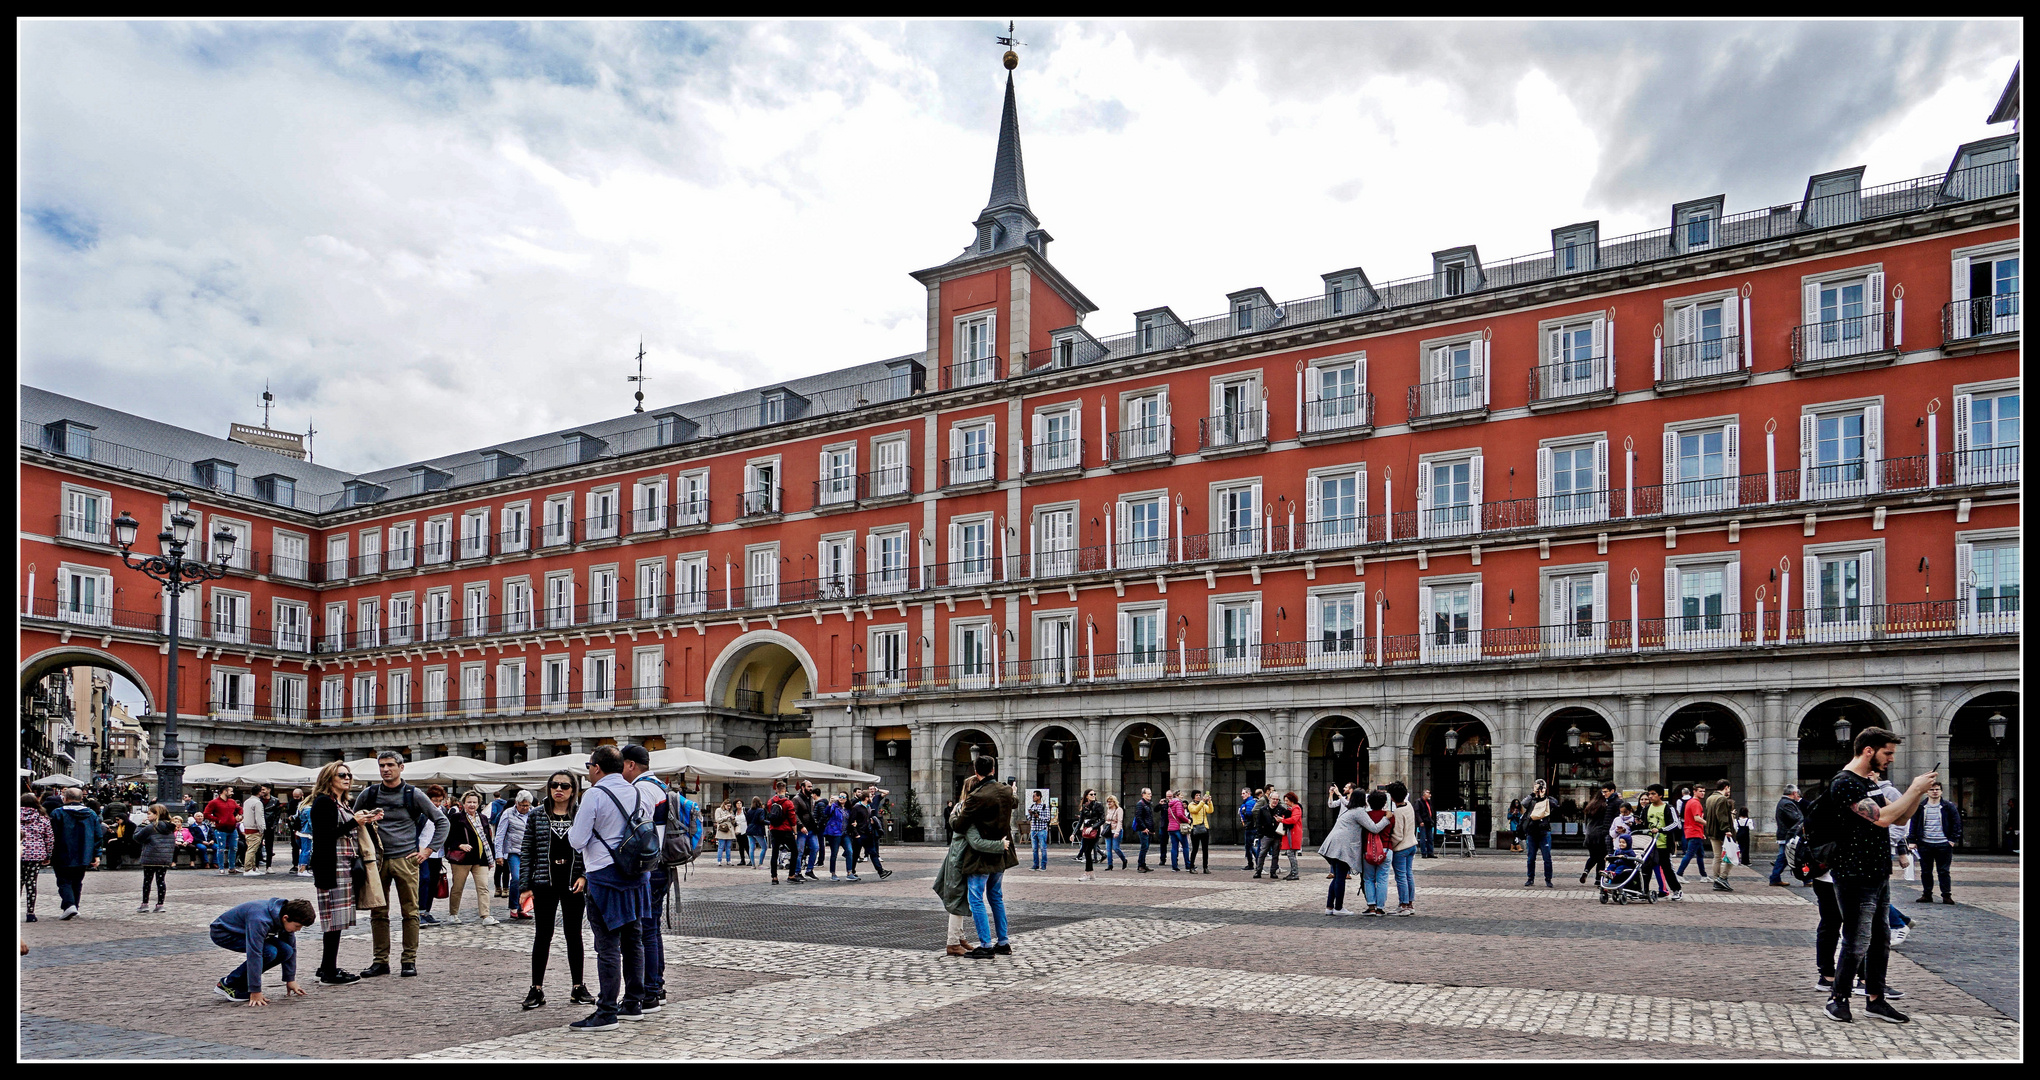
x=1631, y=860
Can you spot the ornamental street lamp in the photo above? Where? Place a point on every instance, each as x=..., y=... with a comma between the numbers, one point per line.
x=1701, y=733
x=1842, y=730
x=892, y=748
x=1239, y=746
x=1338, y=742
x=1572, y=737
x=176, y=574
x=1146, y=747
x=1451, y=740
x=1056, y=747
x=1997, y=726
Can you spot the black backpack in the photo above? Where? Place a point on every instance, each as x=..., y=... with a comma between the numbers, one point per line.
x=638, y=848
x=1812, y=853
x=678, y=848
x=775, y=813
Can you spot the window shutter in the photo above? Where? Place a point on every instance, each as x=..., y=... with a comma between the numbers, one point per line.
x=1731, y=439
x=955, y=444
x=1313, y=511
x=1164, y=517
x=1423, y=624
x=1965, y=597
x=1121, y=531
x=1600, y=479
x=1310, y=376
x=1671, y=594
x=1254, y=631
x=1876, y=292
x=1873, y=446
x=1040, y=422
x=1559, y=615
x=1605, y=345
x=1601, y=596
x=1731, y=577
x=1807, y=421
x=1810, y=303
x=1473, y=474
x=1671, y=466
x=1440, y=370
x=1267, y=542
x=1960, y=290
x=1600, y=337
x=1360, y=508
x=1683, y=321
x=1168, y=434
x=1868, y=582
x=1487, y=382
x=1543, y=477
x=1423, y=500
x=1551, y=348
x=1313, y=624
x=1360, y=378
x=1473, y=615
x=1811, y=566
x=1125, y=643
x=1077, y=431
x=1961, y=428
x=955, y=542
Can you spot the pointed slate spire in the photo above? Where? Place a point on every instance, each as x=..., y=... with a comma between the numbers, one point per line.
x=1009, y=175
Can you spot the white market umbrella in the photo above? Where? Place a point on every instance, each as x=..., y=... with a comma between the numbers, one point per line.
x=60, y=780
x=272, y=773
x=707, y=766
x=525, y=773
x=791, y=767
x=208, y=774
x=452, y=769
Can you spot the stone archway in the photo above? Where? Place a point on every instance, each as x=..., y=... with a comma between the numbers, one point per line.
x=1683, y=758
x=37, y=667
x=1239, y=759
x=1575, y=753
x=763, y=673
x=1056, y=764
x=1451, y=753
x=1337, y=753
x=959, y=750
x=1982, y=770
x=1139, y=770
x=1825, y=732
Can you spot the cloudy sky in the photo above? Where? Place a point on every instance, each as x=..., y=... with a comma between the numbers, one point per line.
x=429, y=237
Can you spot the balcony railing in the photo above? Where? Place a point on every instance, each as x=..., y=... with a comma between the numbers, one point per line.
x=475, y=546
x=92, y=528
x=1840, y=339
x=556, y=533
x=854, y=489
x=1982, y=316
x=1248, y=428
x=974, y=372
x=1245, y=542
x=1343, y=413
x=978, y=468
x=1695, y=360
x=1140, y=444
x=749, y=701
x=601, y=526
x=622, y=697
x=762, y=501
x=1350, y=650
x=1570, y=379
x=1048, y=457
x=1447, y=397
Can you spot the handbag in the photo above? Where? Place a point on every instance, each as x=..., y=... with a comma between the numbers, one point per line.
x=1541, y=811
x=439, y=886
x=1091, y=833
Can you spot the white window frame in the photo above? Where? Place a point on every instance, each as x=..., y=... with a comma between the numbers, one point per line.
x=474, y=533
x=761, y=497
x=336, y=626
x=560, y=588
x=1703, y=494
x=1247, y=422
x=244, y=533
x=648, y=677
x=761, y=575
x=837, y=582
x=891, y=477
x=399, y=700
x=1053, y=555
x=436, y=618
x=88, y=514
x=401, y=618
x=1057, y=652
x=282, y=563
x=1561, y=631
x=1349, y=652
x=1448, y=647
x=1232, y=534
x=2000, y=462
x=1046, y=454
x=605, y=511
x=474, y=609
x=973, y=667
x=2003, y=316
x=836, y=474
x=1825, y=623
x=85, y=595
x=1156, y=662
x=555, y=683
x=1839, y=334
x=883, y=580
x=1142, y=552
x=558, y=526
x=432, y=693
x=333, y=697
x=237, y=609
x=1447, y=392
x=1340, y=411
x=690, y=583
x=1684, y=354
x=690, y=498
x=1844, y=479
x=1145, y=440
x=1328, y=533
x=281, y=622
x=1440, y=520
x=366, y=689
x=1683, y=632
x=1227, y=655
x=1573, y=507
x=968, y=567
x=516, y=526
x=242, y=681
x=520, y=605
x=975, y=368
x=648, y=504
x=648, y=589
x=287, y=697
x=605, y=594
x=884, y=645
x=965, y=465
x=598, y=680
x=1973, y=619
x=437, y=545
x=474, y=688
x=403, y=545
x=1561, y=372
x=510, y=676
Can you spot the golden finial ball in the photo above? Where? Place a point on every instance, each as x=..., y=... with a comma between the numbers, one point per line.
x=1012, y=59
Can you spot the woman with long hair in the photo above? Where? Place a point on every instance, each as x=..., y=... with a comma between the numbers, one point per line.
x=1290, y=815
x=552, y=872
x=38, y=841
x=337, y=872
x=1345, y=848
x=1597, y=835
x=158, y=840
x=725, y=831
x=1114, y=819
x=1090, y=822
x=754, y=830
x=470, y=853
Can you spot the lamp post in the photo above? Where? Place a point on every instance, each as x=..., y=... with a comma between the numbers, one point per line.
x=1997, y=726
x=1842, y=730
x=176, y=574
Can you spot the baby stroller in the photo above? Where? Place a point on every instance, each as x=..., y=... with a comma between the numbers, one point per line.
x=1626, y=876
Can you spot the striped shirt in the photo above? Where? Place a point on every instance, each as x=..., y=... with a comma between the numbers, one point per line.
x=1037, y=815
x=1931, y=812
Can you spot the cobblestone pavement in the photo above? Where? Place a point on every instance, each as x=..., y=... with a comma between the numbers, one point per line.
x=1242, y=968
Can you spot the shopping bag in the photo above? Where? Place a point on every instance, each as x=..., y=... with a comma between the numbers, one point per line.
x=1911, y=870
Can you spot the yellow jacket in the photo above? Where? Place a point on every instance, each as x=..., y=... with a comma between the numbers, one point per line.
x=1200, y=813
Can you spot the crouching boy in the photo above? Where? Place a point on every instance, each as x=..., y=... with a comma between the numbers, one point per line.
x=265, y=931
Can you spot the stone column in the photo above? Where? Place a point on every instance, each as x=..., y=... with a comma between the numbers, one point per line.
x=579, y=745
x=1009, y=750
x=1636, y=751
x=1394, y=755
x=1093, y=768
x=1777, y=756
x=495, y=750
x=927, y=786
x=1189, y=764
x=1921, y=746
x=422, y=752
x=257, y=752
x=1514, y=776
x=1284, y=771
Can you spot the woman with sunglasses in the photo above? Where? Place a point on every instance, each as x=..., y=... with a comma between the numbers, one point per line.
x=554, y=876
x=469, y=856
x=334, y=866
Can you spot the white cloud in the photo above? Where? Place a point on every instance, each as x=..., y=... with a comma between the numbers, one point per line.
x=436, y=236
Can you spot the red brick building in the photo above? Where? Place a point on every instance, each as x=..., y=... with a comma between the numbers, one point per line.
x=1672, y=506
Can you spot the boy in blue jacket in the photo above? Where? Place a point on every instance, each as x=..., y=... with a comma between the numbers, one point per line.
x=265, y=931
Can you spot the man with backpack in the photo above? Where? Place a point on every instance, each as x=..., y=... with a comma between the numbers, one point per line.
x=619, y=845
x=1846, y=835
x=1786, y=819
x=637, y=764
x=399, y=809
x=782, y=817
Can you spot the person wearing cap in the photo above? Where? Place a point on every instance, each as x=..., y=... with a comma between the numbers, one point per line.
x=637, y=766
x=1787, y=818
x=617, y=900
x=510, y=849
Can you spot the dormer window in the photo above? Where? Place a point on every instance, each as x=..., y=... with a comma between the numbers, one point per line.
x=1243, y=314
x=1984, y=168
x=1575, y=247
x=1699, y=229
x=497, y=465
x=988, y=236
x=1455, y=278
x=218, y=475
x=281, y=490
x=903, y=379
x=71, y=438
x=668, y=427
x=1347, y=292
x=424, y=480
x=673, y=428
x=1833, y=198
x=1696, y=225
x=1147, y=334
x=772, y=408
x=1456, y=271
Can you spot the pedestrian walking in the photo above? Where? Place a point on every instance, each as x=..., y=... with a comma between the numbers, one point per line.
x=782, y=818
x=510, y=833
x=1403, y=853
x=1785, y=818
x=987, y=856
x=555, y=876
x=401, y=812
x=1201, y=812
x=873, y=831
x=619, y=892
x=1718, y=823
x=1515, y=819
x=470, y=855
x=338, y=873
x=1037, y=830
x=835, y=822
x=78, y=834
x=807, y=832
x=158, y=838
x=499, y=806
x=38, y=845
x=1344, y=848
x=1692, y=808
x=1144, y=827
x=1599, y=814
x=1249, y=799
x=1115, y=821
x=1090, y=820
x=265, y=933
x=1178, y=828
x=1427, y=824
x=726, y=831
x=1539, y=809
x=301, y=826
x=663, y=806
x=754, y=831
x=1858, y=828
x=1932, y=836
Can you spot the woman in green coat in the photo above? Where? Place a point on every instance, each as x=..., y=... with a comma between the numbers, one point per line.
x=949, y=884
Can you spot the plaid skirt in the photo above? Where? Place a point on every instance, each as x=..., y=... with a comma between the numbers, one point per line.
x=336, y=905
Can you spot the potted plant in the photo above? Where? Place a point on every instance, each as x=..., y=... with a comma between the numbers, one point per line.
x=910, y=820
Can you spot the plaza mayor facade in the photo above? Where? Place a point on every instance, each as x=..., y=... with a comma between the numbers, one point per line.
x=1685, y=504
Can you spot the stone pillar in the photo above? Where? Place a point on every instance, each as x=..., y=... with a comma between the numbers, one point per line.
x=495, y=750
x=1093, y=770
x=1636, y=750
x=579, y=745
x=1284, y=771
x=1394, y=755
x=927, y=786
x=1776, y=761
x=1514, y=774
x=1010, y=763
x=421, y=752
x=257, y=752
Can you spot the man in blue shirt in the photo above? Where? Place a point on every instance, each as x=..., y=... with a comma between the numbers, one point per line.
x=637, y=762
x=265, y=932
x=1249, y=799
x=618, y=900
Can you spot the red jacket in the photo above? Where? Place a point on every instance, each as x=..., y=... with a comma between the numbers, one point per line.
x=1694, y=818
x=223, y=812
x=1292, y=829
x=792, y=813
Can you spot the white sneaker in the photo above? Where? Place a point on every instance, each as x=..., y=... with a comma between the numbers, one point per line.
x=1330, y=911
x=1899, y=935
x=490, y=920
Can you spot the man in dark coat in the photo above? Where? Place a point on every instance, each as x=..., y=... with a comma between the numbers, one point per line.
x=1788, y=818
x=78, y=834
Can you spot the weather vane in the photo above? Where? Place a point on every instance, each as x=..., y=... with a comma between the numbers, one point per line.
x=1010, y=42
x=640, y=378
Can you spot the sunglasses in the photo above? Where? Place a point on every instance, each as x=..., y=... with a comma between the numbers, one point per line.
x=344, y=775
x=561, y=787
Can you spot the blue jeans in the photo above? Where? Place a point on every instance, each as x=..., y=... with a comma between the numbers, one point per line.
x=722, y=851
x=1405, y=878
x=516, y=876
x=757, y=847
x=1778, y=864
x=1040, y=838
x=273, y=953
x=1696, y=849
x=223, y=849
x=1111, y=850
x=1374, y=881
x=838, y=844
x=810, y=852
x=1866, y=935
x=987, y=906
x=1335, y=893
x=1144, y=840
x=1250, y=842
x=1179, y=844
x=1426, y=834
x=651, y=941
x=428, y=878
x=1534, y=841
x=619, y=958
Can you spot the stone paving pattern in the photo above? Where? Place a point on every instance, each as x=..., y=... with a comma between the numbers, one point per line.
x=1242, y=968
